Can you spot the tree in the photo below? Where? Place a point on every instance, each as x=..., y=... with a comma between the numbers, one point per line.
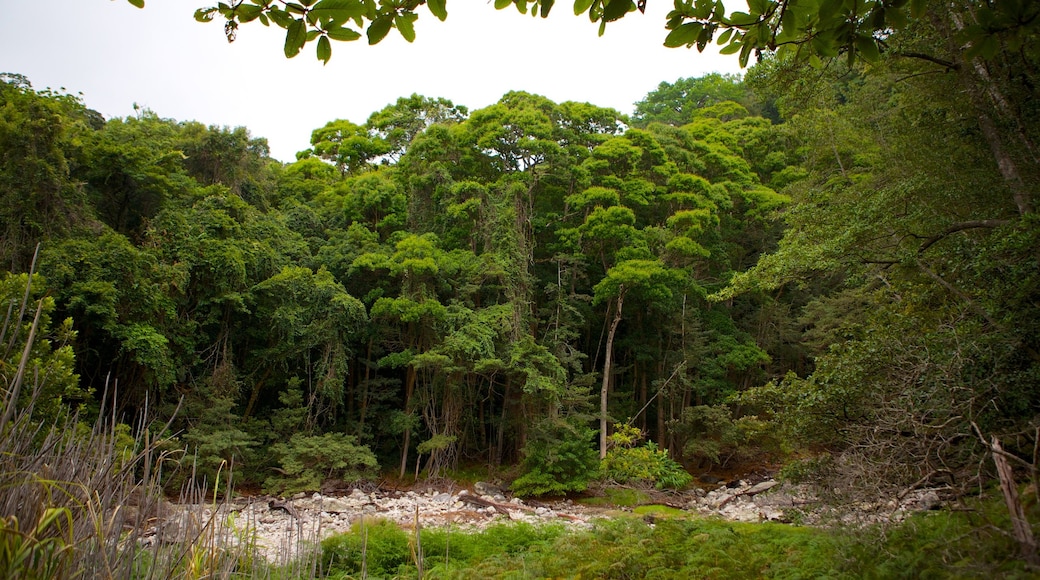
x=676, y=103
x=810, y=31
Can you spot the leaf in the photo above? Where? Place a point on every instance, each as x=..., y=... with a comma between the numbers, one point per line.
x=137, y=3
x=247, y=13
x=324, y=49
x=731, y=48
x=546, y=7
x=867, y=48
x=724, y=37
x=204, y=14
x=281, y=18
x=295, y=38
x=378, y=29
x=616, y=9
x=582, y=6
x=685, y=35
x=406, y=25
x=337, y=12
x=500, y=4
x=438, y=8
x=343, y=34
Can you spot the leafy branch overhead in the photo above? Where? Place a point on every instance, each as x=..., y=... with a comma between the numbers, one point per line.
x=813, y=30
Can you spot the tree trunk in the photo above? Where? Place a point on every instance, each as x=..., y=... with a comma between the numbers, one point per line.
x=1021, y=530
x=409, y=387
x=606, y=374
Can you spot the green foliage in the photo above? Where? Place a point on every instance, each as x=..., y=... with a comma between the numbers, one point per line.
x=677, y=103
x=43, y=550
x=712, y=437
x=380, y=546
x=628, y=463
x=558, y=459
x=449, y=551
x=49, y=384
x=307, y=461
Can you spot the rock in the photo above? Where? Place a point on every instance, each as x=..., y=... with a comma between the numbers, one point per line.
x=442, y=498
x=709, y=479
x=358, y=494
x=485, y=488
x=763, y=486
x=929, y=501
x=332, y=504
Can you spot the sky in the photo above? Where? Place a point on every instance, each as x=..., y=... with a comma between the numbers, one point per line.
x=161, y=59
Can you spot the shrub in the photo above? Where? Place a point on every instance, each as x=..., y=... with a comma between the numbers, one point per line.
x=308, y=460
x=558, y=459
x=380, y=546
x=627, y=463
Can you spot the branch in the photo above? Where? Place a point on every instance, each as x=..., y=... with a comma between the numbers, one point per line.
x=958, y=227
x=927, y=57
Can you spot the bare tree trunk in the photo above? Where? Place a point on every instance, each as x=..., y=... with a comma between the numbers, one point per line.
x=606, y=374
x=1021, y=530
x=408, y=390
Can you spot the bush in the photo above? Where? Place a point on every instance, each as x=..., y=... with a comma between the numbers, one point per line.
x=558, y=459
x=380, y=546
x=308, y=460
x=711, y=435
x=626, y=463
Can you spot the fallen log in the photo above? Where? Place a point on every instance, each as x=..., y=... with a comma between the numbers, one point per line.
x=502, y=508
x=284, y=506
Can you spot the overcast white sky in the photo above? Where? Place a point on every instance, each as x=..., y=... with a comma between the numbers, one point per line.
x=161, y=59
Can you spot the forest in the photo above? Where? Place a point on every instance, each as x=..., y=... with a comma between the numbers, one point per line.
x=828, y=267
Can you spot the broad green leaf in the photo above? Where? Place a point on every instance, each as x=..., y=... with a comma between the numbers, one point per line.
x=546, y=7
x=616, y=9
x=280, y=18
x=582, y=6
x=685, y=35
x=344, y=34
x=745, y=54
x=247, y=12
x=324, y=49
x=741, y=19
x=379, y=28
x=295, y=38
x=724, y=37
x=406, y=25
x=500, y=4
x=759, y=6
x=137, y=3
x=731, y=48
x=867, y=48
x=205, y=14
x=438, y=8
x=337, y=12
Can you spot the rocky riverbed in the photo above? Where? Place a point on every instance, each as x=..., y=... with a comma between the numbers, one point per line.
x=282, y=528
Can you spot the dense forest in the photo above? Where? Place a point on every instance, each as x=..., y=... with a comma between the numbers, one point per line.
x=832, y=265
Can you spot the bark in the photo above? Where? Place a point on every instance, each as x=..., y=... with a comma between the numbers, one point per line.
x=606, y=374
x=408, y=390
x=1021, y=530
